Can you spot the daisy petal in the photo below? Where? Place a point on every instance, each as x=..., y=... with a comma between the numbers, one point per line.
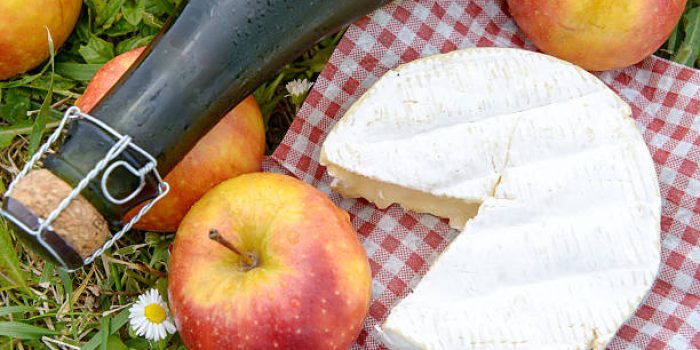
x=149, y=327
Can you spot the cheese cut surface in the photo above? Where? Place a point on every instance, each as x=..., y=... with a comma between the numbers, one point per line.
x=541, y=167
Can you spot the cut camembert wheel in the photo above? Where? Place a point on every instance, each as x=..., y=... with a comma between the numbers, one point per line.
x=541, y=167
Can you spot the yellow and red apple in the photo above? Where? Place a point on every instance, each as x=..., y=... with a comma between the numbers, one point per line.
x=236, y=145
x=597, y=34
x=309, y=288
x=23, y=38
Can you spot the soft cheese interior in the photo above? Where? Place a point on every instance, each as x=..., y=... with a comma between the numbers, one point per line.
x=541, y=167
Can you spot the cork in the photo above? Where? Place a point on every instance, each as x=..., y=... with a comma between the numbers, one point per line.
x=80, y=225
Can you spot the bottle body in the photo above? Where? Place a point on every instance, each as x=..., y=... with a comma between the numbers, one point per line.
x=209, y=59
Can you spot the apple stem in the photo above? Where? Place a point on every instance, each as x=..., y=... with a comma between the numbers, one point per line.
x=249, y=259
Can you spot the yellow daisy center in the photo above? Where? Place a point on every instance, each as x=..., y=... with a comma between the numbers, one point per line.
x=154, y=313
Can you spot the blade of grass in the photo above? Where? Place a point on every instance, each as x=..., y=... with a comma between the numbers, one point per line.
x=41, y=118
x=20, y=330
x=22, y=129
x=77, y=71
x=6, y=141
x=54, y=114
x=114, y=272
x=116, y=323
x=68, y=291
x=105, y=333
x=47, y=273
x=9, y=262
x=9, y=310
x=689, y=51
x=63, y=344
x=674, y=39
x=266, y=98
x=115, y=343
x=24, y=80
x=67, y=308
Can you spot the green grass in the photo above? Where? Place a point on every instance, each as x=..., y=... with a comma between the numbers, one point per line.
x=683, y=45
x=43, y=307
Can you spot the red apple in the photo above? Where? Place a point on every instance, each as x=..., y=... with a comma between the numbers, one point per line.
x=23, y=39
x=597, y=34
x=310, y=288
x=236, y=145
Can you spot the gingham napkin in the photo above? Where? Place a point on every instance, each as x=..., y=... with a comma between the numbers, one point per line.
x=664, y=96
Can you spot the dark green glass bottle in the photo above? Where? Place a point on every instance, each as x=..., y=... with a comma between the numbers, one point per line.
x=207, y=59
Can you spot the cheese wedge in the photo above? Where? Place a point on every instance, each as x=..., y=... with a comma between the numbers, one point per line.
x=541, y=167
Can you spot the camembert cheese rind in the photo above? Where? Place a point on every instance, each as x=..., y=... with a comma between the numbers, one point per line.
x=541, y=167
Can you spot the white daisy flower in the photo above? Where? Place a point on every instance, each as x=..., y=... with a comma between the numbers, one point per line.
x=149, y=316
x=298, y=87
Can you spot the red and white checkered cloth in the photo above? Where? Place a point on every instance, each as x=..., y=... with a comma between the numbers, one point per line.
x=664, y=96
